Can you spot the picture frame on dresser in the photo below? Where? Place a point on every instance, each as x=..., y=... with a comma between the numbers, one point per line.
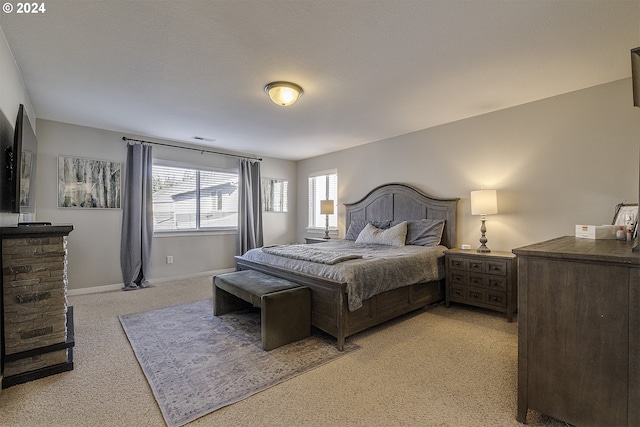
x=626, y=214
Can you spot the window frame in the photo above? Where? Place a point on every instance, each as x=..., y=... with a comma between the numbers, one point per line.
x=313, y=225
x=199, y=230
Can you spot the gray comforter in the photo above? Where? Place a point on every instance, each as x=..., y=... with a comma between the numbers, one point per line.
x=378, y=268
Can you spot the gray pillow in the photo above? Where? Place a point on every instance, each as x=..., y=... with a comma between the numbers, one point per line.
x=357, y=225
x=424, y=232
x=394, y=236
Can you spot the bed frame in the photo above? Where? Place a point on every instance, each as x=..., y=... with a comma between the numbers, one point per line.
x=329, y=306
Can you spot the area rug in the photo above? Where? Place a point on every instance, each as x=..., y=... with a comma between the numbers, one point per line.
x=196, y=362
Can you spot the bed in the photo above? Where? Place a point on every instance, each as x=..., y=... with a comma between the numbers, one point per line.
x=333, y=308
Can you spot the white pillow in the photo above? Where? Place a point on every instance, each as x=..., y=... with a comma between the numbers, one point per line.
x=394, y=236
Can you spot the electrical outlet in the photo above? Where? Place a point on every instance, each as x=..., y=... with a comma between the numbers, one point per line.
x=169, y=259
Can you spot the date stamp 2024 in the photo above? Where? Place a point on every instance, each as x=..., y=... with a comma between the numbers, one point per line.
x=24, y=8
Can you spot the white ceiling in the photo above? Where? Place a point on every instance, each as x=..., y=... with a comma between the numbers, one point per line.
x=370, y=69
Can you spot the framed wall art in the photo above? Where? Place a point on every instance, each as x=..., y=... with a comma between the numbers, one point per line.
x=88, y=183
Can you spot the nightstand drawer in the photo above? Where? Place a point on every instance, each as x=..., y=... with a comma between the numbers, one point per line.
x=499, y=299
x=476, y=295
x=456, y=263
x=459, y=277
x=496, y=283
x=497, y=268
x=478, y=266
x=479, y=280
x=458, y=293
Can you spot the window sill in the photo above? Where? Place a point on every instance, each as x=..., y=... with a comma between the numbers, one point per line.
x=194, y=233
x=320, y=231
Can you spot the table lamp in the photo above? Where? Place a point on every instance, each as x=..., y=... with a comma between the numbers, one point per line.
x=326, y=208
x=484, y=202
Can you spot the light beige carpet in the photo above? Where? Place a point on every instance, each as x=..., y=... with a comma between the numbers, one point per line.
x=436, y=367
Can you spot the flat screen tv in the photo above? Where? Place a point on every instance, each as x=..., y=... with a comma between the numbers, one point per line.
x=18, y=151
x=8, y=167
x=26, y=144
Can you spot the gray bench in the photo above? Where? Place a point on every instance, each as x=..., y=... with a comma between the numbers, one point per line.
x=285, y=307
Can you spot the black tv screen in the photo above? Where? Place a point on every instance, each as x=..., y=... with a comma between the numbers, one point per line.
x=8, y=167
x=26, y=144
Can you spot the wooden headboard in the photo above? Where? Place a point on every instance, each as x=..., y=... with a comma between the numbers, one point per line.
x=399, y=202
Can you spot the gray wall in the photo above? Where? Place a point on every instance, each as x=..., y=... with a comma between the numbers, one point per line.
x=556, y=163
x=94, y=245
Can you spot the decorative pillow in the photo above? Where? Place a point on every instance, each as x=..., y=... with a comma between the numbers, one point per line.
x=394, y=236
x=357, y=225
x=424, y=232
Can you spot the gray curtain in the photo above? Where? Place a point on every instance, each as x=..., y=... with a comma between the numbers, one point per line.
x=249, y=206
x=137, y=218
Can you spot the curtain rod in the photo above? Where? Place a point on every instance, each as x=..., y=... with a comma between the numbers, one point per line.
x=124, y=138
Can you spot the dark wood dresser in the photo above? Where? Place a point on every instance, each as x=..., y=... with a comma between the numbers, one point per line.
x=579, y=331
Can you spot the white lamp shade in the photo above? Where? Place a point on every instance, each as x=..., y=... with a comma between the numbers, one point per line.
x=326, y=207
x=484, y=202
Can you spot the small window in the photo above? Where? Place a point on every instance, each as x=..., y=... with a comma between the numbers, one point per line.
x=194, y=199
x=323, y=186
x=275, y=195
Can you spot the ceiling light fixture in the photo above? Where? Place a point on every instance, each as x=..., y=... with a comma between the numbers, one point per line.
x=283, y=93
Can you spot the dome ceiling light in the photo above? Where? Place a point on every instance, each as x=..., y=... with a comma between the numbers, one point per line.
x=283, y=93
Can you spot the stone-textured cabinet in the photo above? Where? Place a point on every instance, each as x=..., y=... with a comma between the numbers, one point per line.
x=579, y=331
x=38, y=324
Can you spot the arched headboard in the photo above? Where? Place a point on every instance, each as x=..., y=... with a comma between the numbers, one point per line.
x=400, y=202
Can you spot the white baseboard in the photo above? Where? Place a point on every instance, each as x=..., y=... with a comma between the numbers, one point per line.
x=154, y=281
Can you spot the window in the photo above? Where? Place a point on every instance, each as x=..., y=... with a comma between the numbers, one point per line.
x=194, y=199
x=323, y=186
x=274, y=195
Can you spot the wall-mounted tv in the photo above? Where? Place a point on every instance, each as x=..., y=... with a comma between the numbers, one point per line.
x=8, y=167
x=26, y=144
x=18, y=151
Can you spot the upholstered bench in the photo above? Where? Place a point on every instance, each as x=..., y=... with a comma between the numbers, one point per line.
x=285, y=307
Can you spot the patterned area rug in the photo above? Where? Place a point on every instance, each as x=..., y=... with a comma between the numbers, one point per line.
x=196, y=362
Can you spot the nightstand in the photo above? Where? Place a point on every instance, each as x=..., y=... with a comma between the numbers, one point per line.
x=485, y=280
x=315, y=240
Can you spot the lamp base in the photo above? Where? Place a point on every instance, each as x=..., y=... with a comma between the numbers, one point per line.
x=483, y=240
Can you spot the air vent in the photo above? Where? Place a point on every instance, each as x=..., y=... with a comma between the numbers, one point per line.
x=202, y=138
